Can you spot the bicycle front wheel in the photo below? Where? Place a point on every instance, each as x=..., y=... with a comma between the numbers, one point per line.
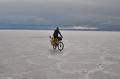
x=60, y=46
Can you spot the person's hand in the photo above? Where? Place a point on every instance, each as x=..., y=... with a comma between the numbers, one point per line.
x=49, y=36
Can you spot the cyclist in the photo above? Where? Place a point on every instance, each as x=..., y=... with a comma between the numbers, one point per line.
x=57, y=33
x=56, y=40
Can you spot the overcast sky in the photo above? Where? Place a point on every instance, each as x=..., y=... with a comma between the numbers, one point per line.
x=60, y=12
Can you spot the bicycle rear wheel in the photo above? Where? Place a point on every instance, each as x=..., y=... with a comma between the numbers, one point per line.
x=60, y=46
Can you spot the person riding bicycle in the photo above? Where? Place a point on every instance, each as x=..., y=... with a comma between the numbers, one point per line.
x=56, y=40
x=57, y=33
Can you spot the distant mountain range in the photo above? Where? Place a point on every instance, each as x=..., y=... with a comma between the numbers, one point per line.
x=50, y=27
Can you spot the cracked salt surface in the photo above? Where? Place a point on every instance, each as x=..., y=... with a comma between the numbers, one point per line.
x=27, y=54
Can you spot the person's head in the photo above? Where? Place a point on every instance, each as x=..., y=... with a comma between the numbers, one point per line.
x=57, y=28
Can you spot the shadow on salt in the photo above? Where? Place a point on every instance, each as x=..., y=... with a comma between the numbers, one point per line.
x=55, y=52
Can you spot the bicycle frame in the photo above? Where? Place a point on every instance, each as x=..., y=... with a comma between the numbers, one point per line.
x=55, y=42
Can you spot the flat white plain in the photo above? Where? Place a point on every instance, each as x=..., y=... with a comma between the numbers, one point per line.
x=27, y=54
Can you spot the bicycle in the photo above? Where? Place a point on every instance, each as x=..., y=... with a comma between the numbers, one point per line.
x=56, y=43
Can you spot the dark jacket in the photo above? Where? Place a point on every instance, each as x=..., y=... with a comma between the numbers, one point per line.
x=55, y=34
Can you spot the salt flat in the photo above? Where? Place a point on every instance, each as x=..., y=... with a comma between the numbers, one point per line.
x=27, y=54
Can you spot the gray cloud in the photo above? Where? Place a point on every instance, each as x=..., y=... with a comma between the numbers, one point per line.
x=65, y=12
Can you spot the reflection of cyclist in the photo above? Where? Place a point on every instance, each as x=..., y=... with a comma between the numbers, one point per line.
x=57, y=33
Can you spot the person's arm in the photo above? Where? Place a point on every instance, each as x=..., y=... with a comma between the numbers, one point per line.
x=60, y=34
